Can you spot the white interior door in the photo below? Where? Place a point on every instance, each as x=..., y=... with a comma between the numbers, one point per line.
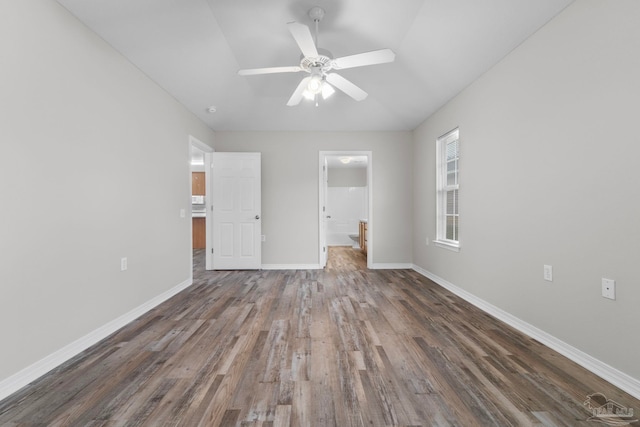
x=324, y=177
x=237, y=223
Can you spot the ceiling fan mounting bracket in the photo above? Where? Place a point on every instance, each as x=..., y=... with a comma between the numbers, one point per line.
x=316, y=13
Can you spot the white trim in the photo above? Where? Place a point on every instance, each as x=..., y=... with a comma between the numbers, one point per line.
x=31, y=373
x=200, y=145
x=446, y=245
x=291, y=267
x=617, y=378
x=391, y=266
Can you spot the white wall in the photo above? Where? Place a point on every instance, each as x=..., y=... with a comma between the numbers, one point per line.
x=86, y=141
x=346, y=206
x=290, y=190
x=347, y=203
x=549, y=175
x=347, y=177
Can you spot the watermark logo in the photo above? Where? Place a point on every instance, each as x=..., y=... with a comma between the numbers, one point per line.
x=607, y=411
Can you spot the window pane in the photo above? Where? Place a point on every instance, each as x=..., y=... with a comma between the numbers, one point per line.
x=452, y=150
x=452, y=172
x=451, y=178
x=452, y=202
x=452, y=228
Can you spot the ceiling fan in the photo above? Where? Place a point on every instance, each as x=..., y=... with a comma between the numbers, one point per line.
x=319, y=63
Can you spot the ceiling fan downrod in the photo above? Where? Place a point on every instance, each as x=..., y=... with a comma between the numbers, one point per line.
x=316, y=14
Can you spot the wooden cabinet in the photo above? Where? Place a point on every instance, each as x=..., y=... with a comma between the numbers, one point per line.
x=198, y=224
x=363, y=236
x=197, y=184
x=199, y=234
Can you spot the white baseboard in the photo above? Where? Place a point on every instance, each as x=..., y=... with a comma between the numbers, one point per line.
x=29, y=374
x=291, y=267
x=374, y=266
x=617, y=378
x=391, y=266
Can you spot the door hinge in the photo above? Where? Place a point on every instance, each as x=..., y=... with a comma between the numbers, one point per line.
x=323, y=208
x=324, y=249
x=211, y=250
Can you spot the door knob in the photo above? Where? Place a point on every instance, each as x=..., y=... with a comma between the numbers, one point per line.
x=257, y=216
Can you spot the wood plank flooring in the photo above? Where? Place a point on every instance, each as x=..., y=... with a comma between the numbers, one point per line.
x=341, y=347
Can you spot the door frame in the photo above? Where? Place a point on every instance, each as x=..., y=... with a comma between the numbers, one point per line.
x=322, y=190
x=194, y=142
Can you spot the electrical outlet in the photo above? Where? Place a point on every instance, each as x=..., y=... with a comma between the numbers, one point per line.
x=609, y=288
x=263, y=238
x=123, y=263
x=548, y=273
x=183, y=213
x=426, y=241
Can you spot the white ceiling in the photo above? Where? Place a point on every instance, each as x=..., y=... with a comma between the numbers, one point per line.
x=194, y=48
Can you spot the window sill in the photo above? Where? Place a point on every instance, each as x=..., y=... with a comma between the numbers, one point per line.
x=447, y=245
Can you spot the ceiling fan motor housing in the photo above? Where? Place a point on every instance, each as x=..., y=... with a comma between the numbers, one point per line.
x=323, y=60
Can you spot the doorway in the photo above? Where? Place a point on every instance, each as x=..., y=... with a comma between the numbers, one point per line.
x=199, y=171
x=345, y=203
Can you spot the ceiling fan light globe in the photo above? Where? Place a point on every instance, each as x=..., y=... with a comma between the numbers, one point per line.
x=327, y=90
x=315, y=84
x=308, y=95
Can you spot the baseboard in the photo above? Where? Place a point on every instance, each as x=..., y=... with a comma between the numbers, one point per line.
x=31, y=373
x=391, y=266
x=291, y=266
x=617, y=378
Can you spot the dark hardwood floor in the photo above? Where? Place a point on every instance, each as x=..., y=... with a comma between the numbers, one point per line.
x=341, y=347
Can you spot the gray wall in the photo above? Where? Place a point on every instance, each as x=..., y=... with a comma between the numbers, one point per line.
x=87, y=141
x=347, y=177
x=549, y=175
x=290, y=190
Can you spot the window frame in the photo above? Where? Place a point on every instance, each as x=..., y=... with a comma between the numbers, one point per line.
x=443, y=188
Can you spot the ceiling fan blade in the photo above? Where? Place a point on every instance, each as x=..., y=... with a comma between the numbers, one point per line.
x=298, y=93
x=303, y=37
x=346, y=86
x=368, y=58
x=271, y=70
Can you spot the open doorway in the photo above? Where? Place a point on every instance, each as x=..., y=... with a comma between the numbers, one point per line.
x=345, y=201
x=200, y=161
